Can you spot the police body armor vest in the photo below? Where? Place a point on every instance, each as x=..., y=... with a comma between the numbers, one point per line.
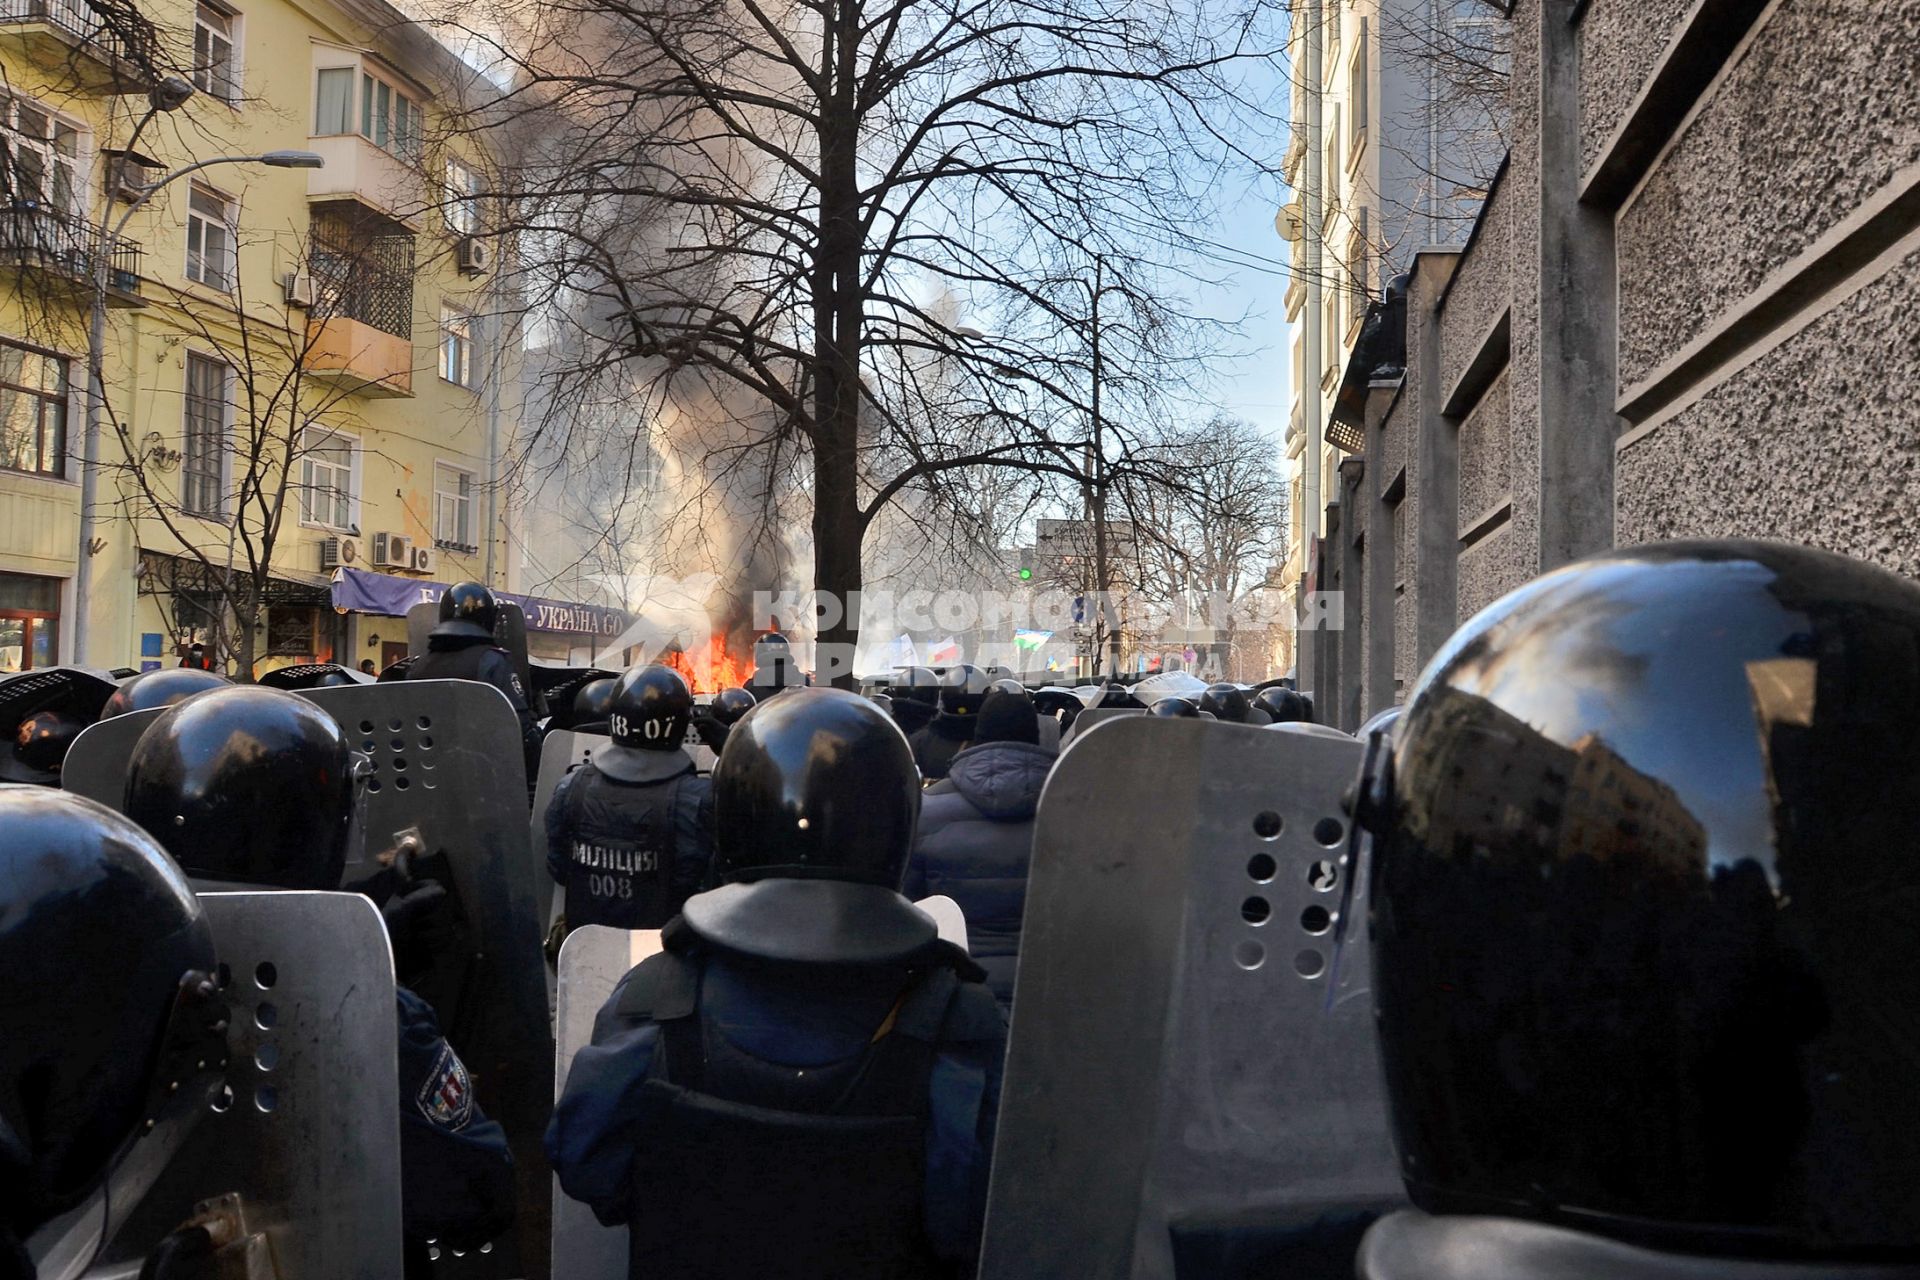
x=449, y=664
x=621, y=851
x=748, y=1170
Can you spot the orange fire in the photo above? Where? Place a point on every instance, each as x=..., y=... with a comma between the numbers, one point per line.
x=709, y=669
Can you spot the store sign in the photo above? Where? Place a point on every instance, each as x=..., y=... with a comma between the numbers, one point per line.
x=359, y=591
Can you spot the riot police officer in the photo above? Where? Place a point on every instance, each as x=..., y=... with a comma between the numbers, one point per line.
x=962, y=690
x=803, y=1084
x=1644, y=954
x=253, y=786
x=109, y=999
x=629, y=834
x=1175, y=707
x=461, y=647
x=1282, y=705
x=39, y=747
x=1229, y=703
x=161, y=688
x=916, y=700
x=718, y=717
x=774, y=669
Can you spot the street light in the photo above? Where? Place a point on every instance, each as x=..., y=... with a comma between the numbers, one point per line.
x=102, y=276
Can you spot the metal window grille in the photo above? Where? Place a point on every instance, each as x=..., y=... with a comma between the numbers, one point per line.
x=368, y=278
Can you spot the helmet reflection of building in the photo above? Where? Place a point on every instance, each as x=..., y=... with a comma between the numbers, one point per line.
x=161, y=688
x=1642, y=960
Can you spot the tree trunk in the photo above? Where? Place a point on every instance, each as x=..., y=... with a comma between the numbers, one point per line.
x=839, y=314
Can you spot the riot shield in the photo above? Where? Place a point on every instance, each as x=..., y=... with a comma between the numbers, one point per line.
x=560, y=751
x=509, y=632
x=1092, y=718
x=447, y=774
x=308, y=674
x=1182, y=1078
x=449, y=778
x=307, y=1127
x=73, y=689
x=593, y=960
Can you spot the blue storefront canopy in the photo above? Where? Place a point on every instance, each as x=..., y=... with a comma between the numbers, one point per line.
x=358, y=591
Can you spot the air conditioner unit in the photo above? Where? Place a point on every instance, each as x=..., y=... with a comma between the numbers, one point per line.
x=132, y=179
x=299, y=288
x=335, y=552
x=392, y=551
x=424, y=560
x=473, y=255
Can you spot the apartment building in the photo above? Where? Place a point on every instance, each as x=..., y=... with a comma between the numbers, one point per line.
x=305, y=391
x=1393, y=112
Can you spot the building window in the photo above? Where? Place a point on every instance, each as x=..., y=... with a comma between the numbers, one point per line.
x=1330, y=180
x=329, y=494
x=1332, y=343
x=456, y=347
x=389, y=118
x=29, y=622
x=39, y=159
x=203, y=465
x=333, y=102
x=33, y=411
x=463, y=199
x=453, y=507
x=216, y=68
x=210, y=241
x=1357, y=94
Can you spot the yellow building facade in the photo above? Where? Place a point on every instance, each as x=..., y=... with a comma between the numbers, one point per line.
x=303, y=371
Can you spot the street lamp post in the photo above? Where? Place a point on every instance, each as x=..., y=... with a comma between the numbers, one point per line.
x=101, y=279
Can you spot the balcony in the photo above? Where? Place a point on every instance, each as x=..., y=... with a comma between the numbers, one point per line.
x=358, y=172
x=360, y=330
x=101, y=56
x=51, y=247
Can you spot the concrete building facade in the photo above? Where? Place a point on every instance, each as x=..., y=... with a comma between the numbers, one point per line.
x=1688, y=309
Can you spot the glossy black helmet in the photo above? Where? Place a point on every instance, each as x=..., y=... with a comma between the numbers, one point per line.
x=962, y=690
x=41, y=742
x=161, y=688
x=1282, y=704
x=249, y=785
x=468, y=609
x=771, y=648
x=1644, y=868
x=592, y=700
x=101, y=941
x=815, y=801
x=1225, y=702
x=729, y=705
x=650, y=709
x=921, y=684
x=1174, y=708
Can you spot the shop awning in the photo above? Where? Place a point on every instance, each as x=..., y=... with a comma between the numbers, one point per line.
x=165, y=573
x=391, y=596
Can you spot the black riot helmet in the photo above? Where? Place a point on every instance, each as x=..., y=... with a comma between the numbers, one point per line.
x=1174, y=708
x=41, y=742
x=1009, y=686
x=729, y=705
x=650, y=709
x=815, y=802
x=468, y=609
x=1225, y=702
x=592, y=700
x=108, y=962
x=1281, y=703
x=771, y=648
x=920, y=684
x=1645, y=959
x=962, y=690
x=249, y=785
x=161, y=688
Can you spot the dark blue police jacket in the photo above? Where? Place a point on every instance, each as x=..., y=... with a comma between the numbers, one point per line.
x=593, y=1135
x=456, y=1174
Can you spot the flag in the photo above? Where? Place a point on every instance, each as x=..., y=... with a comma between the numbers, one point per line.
x=945, y=653
x=1031, y=639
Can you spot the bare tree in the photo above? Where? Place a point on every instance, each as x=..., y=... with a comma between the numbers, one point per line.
x=782, y=219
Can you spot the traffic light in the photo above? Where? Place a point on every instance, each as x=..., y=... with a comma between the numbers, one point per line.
x=1025, y=572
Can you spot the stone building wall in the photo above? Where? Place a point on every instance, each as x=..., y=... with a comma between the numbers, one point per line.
x=1691, y=308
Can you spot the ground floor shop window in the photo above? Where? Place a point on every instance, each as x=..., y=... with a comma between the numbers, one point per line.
x=29, y=622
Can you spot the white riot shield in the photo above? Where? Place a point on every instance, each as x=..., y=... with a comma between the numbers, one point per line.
x=307, y=1127
x=1092, y=718
x=592, y=962
x=1181, y=1076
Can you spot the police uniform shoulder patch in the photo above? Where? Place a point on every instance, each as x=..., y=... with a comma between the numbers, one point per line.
x=446, y=1096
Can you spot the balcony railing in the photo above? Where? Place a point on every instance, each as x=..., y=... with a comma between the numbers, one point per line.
x=126, y=36
x=62, y=244
x=370, y=281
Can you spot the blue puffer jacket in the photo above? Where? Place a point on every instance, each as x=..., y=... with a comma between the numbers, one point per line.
x=975, y=842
